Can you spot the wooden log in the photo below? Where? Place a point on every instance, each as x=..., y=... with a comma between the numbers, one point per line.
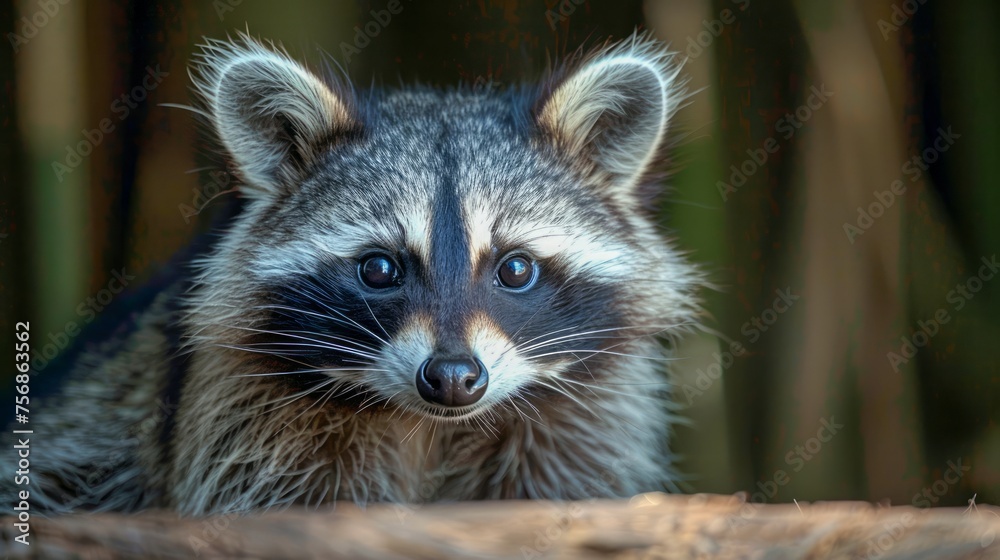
x=648, y=526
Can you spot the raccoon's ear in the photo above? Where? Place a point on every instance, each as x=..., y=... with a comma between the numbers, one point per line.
x=273, y=116
x=611, y=113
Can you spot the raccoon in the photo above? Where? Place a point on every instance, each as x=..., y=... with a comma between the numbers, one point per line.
x=421, y=295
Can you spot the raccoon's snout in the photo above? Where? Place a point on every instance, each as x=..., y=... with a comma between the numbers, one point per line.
x=452, y=381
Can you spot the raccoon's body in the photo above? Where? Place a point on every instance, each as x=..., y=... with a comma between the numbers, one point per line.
x=424, y=295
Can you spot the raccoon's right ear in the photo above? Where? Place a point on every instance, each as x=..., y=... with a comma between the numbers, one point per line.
x=610, y=113
x=273, y=116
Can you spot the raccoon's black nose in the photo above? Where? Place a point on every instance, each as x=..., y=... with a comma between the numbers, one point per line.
x=452, y=381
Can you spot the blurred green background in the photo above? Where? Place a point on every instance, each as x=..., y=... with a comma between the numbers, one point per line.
x=834, y=175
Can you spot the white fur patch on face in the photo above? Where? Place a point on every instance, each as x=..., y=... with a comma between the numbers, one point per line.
x=507, y=371
x=346, y=240
x=401, y=358
x=479, y=228
x=416, y=228
x=584, y=252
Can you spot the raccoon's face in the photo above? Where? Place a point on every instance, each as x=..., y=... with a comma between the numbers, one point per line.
x=449, y=253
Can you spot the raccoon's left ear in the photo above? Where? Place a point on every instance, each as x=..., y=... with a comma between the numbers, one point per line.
x=273, y=116
x=612, y=112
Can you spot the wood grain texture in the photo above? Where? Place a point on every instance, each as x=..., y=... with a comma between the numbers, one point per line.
x=647, y=526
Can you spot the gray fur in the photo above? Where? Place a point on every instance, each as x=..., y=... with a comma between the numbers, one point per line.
x=555, y=172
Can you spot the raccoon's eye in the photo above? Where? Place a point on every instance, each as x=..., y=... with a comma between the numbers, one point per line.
x=516, y=273
x=379, y=272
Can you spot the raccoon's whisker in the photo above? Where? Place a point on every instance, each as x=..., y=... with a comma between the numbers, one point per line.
x=535, y=314
x=660, y=384
x=538, y=413
x=389, y=424
x=586, y=367
x=314, y=297
x=492, y=421
x=342, y=319
x=275, y=350
x=659, y=329
x=571, y=397
x=372, y=313
x=286, y=399
x=368, y=401
x=288, y=355
x=430, y=441
x=606, y=410
x=484, y=426
x=281, y=345
x=386, y=401
x=299, y=371
x=593, y=352
x=413, y=430
x=342, y=386
x=522, y=414
x=332, y=337
x=322, y=401
x=593, y=388
x=519, y=345
x=485, y=422
x=289, y=334
x=299, y=415
x=194, y=110
x=299, y=362
x=607, y=351
x=292, y=398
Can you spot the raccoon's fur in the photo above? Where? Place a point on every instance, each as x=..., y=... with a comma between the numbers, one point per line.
x=424, y=295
